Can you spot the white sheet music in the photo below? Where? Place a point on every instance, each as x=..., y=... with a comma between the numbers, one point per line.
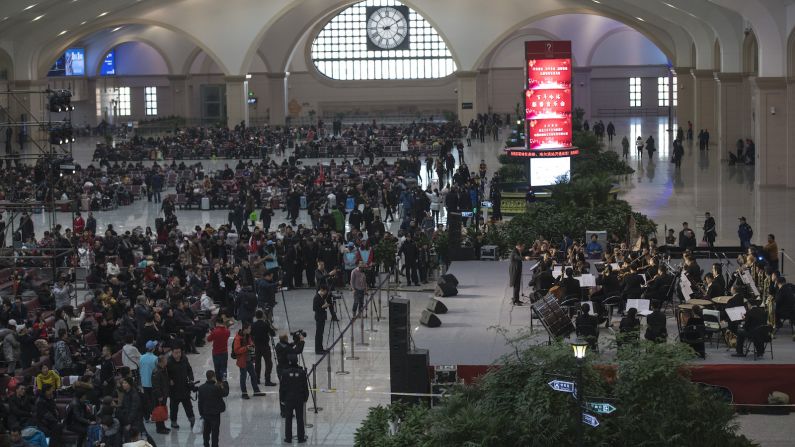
x=587, y=280
x=557, y=270
x=615, y=266
x=642, y=306
x=736, y=313
x=749, y=281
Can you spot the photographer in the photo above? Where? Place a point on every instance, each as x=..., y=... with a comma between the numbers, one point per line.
x=211, y=405
x=261, y=331
x=284, y=348
x=319, y=305
x=180, y=376
x=266, y=293
x=243, y=350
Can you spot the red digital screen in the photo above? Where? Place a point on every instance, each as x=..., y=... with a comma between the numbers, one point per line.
x=548, y=95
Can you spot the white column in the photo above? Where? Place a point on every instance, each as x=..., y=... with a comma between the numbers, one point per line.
x=705, y=116
x=770, y=108
x=685, y=109
x=730, y=111
x=277, y=101
x=236, y=105
x=467, y=96
x=180, y=97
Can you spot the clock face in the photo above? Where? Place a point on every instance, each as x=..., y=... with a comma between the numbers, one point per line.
x=388, y=28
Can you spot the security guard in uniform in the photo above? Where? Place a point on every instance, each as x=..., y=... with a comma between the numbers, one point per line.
x=284, y=349
x=294, y=391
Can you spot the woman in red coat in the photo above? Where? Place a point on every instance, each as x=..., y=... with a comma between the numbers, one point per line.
x=243, y=350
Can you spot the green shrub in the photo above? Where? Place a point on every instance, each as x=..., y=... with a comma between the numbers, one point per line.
x=513, y=405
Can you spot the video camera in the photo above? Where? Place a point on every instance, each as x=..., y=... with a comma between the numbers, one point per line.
x=298, y=334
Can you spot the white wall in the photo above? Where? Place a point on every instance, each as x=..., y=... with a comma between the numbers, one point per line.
x=404, y=97
x=627, y=47
x=136, y=58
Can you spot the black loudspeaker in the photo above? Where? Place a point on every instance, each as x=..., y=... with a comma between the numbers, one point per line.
x=399, y=325
x=411, y=376
x=448, y=278
x=430, y=319
x=436, y=306
x=446, y=289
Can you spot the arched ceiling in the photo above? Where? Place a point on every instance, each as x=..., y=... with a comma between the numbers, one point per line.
x=34, y=31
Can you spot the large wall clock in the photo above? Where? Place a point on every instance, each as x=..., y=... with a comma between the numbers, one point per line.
x=387, y=28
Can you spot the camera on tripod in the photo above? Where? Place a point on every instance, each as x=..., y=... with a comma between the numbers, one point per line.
x=335, y=295
x=298, y=334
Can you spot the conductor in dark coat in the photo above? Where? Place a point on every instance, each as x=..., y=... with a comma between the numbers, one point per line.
x=515, y=272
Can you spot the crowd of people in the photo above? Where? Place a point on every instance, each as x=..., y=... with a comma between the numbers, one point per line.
x=96, y=368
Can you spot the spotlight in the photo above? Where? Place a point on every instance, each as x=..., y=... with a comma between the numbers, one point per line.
x=60, y=101
x=63, y=134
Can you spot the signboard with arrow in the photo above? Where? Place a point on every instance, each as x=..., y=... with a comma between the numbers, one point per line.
x=562, y=386
x=600, y=407
x=590, y=420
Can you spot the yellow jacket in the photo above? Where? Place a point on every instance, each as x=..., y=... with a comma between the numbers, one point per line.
x=51, y=379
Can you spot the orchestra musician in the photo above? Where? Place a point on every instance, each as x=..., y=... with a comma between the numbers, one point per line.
x=692, y=269
x=736, y=300
x=570, y=285
x=656, y=329
x=754, y=318
x=785, y=301
x=631, y=286
x=657, y=287
x=609, y=286
x=719, y=282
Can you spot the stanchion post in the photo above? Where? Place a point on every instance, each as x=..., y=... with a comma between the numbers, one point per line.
x=315, y=408
x=372, y=329
x=353, y=343
x=781, y=256
x=361, y=327
x=342, y=356
x=328, y=370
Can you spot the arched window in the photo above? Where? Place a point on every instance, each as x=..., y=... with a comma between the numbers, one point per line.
x=380, y=39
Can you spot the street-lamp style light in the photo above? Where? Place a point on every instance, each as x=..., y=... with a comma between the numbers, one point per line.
x=579, y=348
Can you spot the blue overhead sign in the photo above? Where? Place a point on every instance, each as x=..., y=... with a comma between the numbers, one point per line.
x=590, y=420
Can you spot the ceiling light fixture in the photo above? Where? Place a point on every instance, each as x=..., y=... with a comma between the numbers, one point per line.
x=103, y=14
x=596, y=1
x=640, y=19
x=30, y=6
x=62, y=32
x=83, y=22
x=37, y=18
x=670, y=5
x=116, y=29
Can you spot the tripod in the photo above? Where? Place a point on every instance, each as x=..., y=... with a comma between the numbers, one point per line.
x=335, y=323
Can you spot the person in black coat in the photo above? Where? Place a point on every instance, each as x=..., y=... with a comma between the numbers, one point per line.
x=571, y=286
x=130, y=412
x=295, y=392
x=656, y=329
x=515, y=272
x=411, y=256
x=78, y=416
x=21, y=406
x=211, y=405
x=160, y=390
x=755, y=318
x=261, y=332
x=319, y=305
x=180, y=376
x=247, y=304
x=693, y=332
x=46, y=416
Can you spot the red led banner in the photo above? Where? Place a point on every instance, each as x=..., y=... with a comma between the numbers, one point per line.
x=548, y=95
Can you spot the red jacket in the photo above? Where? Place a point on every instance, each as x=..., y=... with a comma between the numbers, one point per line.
x=78, y=225
x=219, y=336
x=240, y=349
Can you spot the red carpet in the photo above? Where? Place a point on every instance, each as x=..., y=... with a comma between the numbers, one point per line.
x=750, y=384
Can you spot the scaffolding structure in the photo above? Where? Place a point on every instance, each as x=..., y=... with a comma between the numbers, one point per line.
x=51, y=137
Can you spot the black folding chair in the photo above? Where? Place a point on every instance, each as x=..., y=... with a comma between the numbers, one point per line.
x=761, y=336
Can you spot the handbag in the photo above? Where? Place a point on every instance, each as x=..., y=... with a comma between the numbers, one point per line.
x=160, y=413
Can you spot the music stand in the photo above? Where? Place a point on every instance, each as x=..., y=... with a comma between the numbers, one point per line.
x=554, y=319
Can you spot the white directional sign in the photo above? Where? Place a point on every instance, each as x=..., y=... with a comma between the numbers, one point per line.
x=563, y=386
x=601, y=407
x=590, y=420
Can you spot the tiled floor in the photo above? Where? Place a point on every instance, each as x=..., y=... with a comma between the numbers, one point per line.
x=670, y=196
